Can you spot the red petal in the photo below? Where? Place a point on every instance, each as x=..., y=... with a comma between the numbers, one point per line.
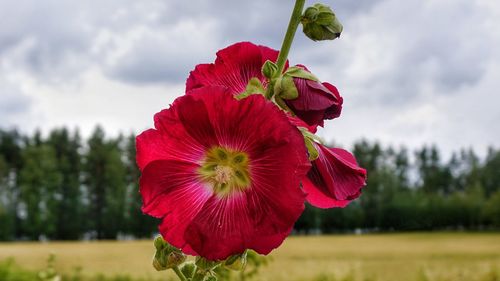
x=299, y=123
x=233, y=67
x=333, y=111
x=335, y=178
x=171, y=190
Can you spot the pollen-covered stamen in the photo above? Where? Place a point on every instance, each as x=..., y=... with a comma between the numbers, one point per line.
x=223, y=174
x=226, y=170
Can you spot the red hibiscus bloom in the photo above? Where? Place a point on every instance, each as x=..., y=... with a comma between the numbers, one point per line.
x=238, y=63
x=335, y=178
x=316, y=102
x=223, y=174
x=233, y=67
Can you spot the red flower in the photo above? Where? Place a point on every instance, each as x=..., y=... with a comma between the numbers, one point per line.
x=223, y=174
x=316, y=102
x=238, y=63
x=233, y=67
x=335, y=178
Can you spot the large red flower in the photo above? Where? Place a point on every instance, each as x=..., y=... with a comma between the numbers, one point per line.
x=335, y=178
x=238, y=63
x=223, y=174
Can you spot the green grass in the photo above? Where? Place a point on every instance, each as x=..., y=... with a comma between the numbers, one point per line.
x=386, y=257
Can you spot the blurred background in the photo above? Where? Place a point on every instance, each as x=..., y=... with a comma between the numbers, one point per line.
x=420, y=80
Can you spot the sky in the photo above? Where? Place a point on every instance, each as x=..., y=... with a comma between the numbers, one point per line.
x=411, y=72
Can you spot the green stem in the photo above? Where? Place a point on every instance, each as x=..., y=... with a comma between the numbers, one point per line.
x=179, y=273
x=287, y=43
x=290, y=33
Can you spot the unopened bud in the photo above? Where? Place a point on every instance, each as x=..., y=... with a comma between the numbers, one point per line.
x=159, y=242
x=166, y=255
x=269, y=69
x=320, y=23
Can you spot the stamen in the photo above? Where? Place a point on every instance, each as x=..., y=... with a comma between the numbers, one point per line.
x=223, y=174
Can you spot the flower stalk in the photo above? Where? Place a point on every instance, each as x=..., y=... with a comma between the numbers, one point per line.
x=290, y=34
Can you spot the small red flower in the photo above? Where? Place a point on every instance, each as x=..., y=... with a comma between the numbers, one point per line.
x=238, y=63
x=335, y=178
x=223, y=174
x=316, y=102
x=233, y=68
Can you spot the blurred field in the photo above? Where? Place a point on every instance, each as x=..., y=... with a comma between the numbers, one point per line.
x=388, y=257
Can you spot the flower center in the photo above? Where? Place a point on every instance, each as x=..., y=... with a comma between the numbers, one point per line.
x=225, y=170
x=223, y=174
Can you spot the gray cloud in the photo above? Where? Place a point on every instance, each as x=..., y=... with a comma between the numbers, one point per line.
x=402, y=67
x=13, y=102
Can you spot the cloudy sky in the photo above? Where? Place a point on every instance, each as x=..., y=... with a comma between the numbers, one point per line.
x=410, y=72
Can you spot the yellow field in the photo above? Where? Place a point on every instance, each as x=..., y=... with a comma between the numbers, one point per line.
x=388, y=257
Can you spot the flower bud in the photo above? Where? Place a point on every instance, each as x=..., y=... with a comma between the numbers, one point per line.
x=320, y=23
x=159, y=242
x=166, y=255
x=211, y=278
x=269, y=69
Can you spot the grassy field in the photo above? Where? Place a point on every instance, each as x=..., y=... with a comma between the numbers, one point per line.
x=388, y=257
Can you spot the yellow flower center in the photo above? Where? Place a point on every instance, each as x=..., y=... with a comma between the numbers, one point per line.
x=225, y=170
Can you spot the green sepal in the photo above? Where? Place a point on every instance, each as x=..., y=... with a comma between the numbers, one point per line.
x=309, y=140
x=311, y=149
x=236, y=262
x=206, y=265
x=281, y=104
x=285, y=88
x=254, y=86
x=298, y=72
x=188, y=269
x=269, y=69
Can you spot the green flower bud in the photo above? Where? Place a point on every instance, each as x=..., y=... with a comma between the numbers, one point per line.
x=269, y=69
x=175, y=258
x=166, y=255
x=159, y=242
x=320, y=23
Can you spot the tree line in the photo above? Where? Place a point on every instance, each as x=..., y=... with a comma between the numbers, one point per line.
x=61, y=187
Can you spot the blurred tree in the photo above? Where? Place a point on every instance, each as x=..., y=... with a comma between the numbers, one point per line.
x=105, y=175
x=490, y=174
x=38, y=182
x=69, y=195
x=10, y=152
